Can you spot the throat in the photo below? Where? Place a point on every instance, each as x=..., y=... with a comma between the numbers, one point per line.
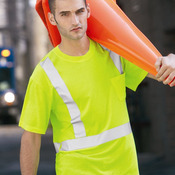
x=75, y=48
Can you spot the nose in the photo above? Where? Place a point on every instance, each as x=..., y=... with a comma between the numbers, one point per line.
x=75, y=19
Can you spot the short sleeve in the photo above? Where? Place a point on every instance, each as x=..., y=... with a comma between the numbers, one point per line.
x=133, y=74
x=37, y=104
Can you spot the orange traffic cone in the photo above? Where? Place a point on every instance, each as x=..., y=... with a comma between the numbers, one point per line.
x=42, y=8
x=109, y=26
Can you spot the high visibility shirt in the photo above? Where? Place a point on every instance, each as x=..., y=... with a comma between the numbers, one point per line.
x=84, y=98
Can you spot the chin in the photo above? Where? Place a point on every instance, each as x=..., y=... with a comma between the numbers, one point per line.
x=78, y=37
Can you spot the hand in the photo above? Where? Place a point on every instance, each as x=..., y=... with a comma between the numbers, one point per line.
x=165, y=67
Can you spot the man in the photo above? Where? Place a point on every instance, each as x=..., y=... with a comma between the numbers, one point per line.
x=81, y=90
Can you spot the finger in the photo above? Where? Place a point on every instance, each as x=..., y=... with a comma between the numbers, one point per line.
x=164, y=77
x=160, y=73
x=169, y=79
x=158, y=63
x=172, y=84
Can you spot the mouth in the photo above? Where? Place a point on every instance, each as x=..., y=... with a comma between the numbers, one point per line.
x=76, y=29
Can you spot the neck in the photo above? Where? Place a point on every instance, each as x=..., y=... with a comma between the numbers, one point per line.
x=75, y=47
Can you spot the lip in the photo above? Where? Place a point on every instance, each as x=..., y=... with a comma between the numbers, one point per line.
x=76, y=29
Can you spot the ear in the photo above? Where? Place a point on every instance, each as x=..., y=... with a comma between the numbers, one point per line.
x=51, y=19
x=88, y=10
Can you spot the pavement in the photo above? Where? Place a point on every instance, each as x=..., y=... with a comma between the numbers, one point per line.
x=10, y=147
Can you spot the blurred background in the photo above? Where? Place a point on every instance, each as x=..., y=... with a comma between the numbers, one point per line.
x=24, y=41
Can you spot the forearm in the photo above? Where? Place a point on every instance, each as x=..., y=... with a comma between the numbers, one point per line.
x=30, y=153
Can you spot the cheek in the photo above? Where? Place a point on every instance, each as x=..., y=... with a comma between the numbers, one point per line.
x=62, y=24
x=83, y=19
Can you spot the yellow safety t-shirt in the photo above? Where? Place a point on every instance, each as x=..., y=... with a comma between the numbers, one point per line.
x=96, y=89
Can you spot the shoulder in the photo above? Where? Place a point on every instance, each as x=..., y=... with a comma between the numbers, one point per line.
x=39, y=76
x=99, y=48
x=51, y=54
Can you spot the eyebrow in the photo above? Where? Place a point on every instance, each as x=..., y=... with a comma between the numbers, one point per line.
x=83, y=8
x=65, y=12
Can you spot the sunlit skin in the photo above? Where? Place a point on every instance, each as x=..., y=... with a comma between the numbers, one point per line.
x=71, y=20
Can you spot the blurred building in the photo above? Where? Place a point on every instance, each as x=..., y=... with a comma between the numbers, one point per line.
x=39, y=41
x=151, y=108
x=22, y=29
x=13, y=33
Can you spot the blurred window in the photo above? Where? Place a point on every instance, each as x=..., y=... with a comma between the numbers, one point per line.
x=20, y=6
x=3, y=14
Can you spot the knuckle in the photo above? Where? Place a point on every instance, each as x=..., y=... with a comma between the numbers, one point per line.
x=171, y=66
x=167, y=66
x=171, y=77
x=163, y=79
x=157, y=76
x=164, y=66
x=172, y=84
x=170, y=54
x=159, y=79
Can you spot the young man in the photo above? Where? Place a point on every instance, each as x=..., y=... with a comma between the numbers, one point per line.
x=80, y=87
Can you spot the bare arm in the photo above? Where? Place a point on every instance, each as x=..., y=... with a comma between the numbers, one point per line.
x=30, y=153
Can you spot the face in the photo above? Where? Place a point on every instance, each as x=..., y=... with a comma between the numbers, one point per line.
x=71, y=18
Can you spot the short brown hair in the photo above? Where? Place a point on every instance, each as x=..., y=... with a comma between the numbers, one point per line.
x=52, y=5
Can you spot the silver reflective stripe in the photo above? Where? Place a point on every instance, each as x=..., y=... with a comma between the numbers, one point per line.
x=95, y=140
x=57, y=147
x=60, y=86
x=116, y=59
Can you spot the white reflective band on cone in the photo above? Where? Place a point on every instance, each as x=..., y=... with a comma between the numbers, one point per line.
x=90, y=141
x=61, y=88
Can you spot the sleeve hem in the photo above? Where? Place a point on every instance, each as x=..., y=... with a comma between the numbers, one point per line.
x=140, y=78
x=31, y=129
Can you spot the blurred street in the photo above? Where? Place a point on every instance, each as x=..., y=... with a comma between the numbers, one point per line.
x=10, y=146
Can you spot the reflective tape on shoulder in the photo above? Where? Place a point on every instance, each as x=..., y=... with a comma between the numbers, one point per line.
x=57, y=147
x=116, y=59
x=61, y=88
x=95, y=140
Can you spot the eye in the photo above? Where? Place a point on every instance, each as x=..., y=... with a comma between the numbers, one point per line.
x=80, y=11
x=64, y=14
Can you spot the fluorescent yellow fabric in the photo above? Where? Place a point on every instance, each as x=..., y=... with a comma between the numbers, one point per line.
x=98, y=89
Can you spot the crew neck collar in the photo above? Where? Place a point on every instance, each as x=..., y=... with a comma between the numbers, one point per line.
x=84, y=57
